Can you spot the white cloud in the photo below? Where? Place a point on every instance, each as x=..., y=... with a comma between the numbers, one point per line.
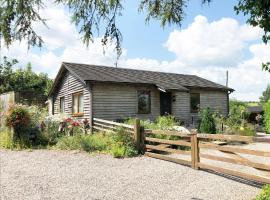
x=216, y=43
x=204, y=48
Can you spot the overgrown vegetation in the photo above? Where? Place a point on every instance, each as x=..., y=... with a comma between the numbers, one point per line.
x=161, y=123
x=264, y=194
x=119, y=144
x=207, y=122
x=267, y=116
x=29, y=127
x=237, y=121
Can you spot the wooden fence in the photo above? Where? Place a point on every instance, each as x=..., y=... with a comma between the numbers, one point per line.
x=193, y=142
x=105, y=125
x=190, y=148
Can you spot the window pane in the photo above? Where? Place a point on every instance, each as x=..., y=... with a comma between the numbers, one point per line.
x=80, y=103
x=144, y=102
x=75, y=104
x=194, y=102
x=62, y=104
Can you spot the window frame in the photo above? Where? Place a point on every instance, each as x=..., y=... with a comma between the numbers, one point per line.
x=62, y=110
x=198, y=105
x=78, y=114
x=139, y=92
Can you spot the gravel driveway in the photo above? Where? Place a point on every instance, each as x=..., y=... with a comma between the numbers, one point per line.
x=44, y=174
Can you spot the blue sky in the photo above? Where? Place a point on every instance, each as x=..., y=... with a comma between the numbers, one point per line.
x=212, y=40
x=151, y=37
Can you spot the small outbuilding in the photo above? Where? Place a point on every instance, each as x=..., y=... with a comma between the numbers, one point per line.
x=87, y=91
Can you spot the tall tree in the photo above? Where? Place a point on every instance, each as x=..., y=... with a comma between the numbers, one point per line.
x=22, y=79
x=17, y=17
x=265, y=95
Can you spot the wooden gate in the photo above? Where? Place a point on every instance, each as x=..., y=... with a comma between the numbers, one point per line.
x=196, y=150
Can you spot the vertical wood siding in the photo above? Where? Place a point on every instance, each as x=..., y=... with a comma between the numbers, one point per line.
x=68, y=86
x=119, y=101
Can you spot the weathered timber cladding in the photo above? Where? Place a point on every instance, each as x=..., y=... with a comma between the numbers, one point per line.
x=114, y=101
x=68, y=86
x=216, y=100
x=119, y=101
x=181, y=106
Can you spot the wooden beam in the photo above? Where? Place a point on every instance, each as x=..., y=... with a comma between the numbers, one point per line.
x=234, y=149
x=237, y=161
x=113, y=123
x=165, y=149
x=165, y=132
x=167, y=158
x=237, y=138
x=172, y=142
x=235, y=173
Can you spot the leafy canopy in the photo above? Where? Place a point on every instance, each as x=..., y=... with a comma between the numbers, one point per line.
x=18, y=16
x=22, y=79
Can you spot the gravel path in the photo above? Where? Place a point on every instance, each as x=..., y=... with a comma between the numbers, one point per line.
x=44, y=174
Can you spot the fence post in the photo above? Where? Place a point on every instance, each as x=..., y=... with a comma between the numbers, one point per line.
x=142, y=140
x=195, y=155
x=137, y=134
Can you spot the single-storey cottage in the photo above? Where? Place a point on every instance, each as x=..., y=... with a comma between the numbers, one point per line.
x=87, y=91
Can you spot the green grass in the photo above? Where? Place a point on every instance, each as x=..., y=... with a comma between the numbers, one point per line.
x=264, y=194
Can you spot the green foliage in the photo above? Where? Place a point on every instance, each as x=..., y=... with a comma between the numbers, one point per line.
x=123, y=144
x=236, y=123
x=161, y=123
x=24, y=122
x=267, y=116
x=95, y=142
x=265, y=95
x=17, y=17
x=207, y=122
x=258, y=16
x=238, y=114
x=69, y=143
x=264, y=194
x=6, y=139
x=119, y=144
x=22, y=79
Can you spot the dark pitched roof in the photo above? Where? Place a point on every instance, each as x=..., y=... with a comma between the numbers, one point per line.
x=166, y=81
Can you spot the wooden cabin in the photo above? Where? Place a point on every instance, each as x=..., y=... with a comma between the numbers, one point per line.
x=87, y=91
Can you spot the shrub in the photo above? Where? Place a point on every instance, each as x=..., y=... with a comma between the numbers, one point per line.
x=18, y=118
x=265, y=193
x=122, y=144
x=166, y=122
x=238, y=115
x=267, y=116
x=207, y=122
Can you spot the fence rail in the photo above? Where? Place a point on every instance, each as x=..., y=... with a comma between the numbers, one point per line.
x=190, y=148
x=156, y=147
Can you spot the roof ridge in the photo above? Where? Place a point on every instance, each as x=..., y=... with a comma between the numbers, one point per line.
x=126, y=68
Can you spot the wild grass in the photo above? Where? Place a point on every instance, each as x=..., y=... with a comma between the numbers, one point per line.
x=119, y=144
x=264, y=194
